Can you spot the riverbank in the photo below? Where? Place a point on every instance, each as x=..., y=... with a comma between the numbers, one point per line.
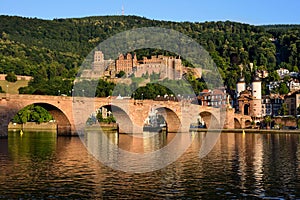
x=33, y=126
x=103, y=126
x=297, y=131
x=113, y=127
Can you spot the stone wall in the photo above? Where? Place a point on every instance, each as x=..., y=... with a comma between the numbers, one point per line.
x=33, y=126
x=19, y=78
x=286, y=121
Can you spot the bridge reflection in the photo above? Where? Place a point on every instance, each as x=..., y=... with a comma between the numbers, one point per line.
x=138, y=143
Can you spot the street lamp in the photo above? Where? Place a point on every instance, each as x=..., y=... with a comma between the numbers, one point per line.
x=7, y=89
x=142, y=96
x=83, y=93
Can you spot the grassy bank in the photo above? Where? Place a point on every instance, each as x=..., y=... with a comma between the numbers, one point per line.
x=13, y=88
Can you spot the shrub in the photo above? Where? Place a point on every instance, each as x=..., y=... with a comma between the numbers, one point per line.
x=11, y=77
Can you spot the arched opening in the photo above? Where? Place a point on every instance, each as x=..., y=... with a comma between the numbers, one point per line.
x=36, y=116
x=246, y=109
x=168, y=119
x=200, y=123
x=237, y=124
x=111, y=117
x=155, y=122
x=248, y=124
x=210, y=120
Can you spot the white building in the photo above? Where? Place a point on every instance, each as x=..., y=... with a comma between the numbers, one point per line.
x=240, y=86
x=283, y=72
x=256, y=95
x=294, y=85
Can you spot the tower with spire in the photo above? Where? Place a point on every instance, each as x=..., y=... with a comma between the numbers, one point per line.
x=240, y=85
x=256, y=95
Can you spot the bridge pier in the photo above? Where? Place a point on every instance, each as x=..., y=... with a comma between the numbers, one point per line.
x=229, y=119
x=4, y=118
x=3, y=132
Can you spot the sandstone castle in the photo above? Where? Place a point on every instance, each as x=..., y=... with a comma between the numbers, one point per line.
x=166, y=66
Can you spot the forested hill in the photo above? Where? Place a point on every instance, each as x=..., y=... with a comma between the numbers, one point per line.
x=49, y=48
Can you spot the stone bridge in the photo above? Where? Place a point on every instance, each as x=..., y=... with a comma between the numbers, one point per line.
x=71, y=113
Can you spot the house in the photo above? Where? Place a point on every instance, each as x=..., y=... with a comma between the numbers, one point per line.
x=215, y=98
x=294, y=85
x=271, y=105
x=273, y=85
x=292, y=100
x=283, y=72
x=262, y=73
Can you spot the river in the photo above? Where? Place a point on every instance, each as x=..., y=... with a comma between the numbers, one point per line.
x=40, y=165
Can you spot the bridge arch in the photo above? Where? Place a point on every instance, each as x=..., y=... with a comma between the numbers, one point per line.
x=172, y=119
x=122, y=118
x=248, y=124
x=61, y=119
x=209, y=119
x=237, y=124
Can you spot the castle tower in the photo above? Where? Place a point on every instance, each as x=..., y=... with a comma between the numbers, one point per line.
x=98, y=56
x=256, y=95
x=98, y=64
x=135, y=60
x=240, y=86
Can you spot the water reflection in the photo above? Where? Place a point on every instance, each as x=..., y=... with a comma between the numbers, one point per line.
x=136, y=153
x=137, y=143
x=240, y=166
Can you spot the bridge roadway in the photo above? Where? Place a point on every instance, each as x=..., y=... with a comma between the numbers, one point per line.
x=71, y=113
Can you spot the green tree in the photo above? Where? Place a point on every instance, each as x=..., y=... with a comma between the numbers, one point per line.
x=283, y=88
x=121, y=74
x=32, y=113
x=283, y=110
x=268, y=121
x=11, y=77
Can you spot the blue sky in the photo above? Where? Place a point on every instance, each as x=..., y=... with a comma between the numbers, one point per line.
x=251, y=11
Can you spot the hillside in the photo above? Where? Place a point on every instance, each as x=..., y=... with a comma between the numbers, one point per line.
x=54, y=49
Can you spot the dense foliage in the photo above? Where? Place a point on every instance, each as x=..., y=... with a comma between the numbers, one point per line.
x=11, y=77
x=32, y=113
x=52, y=50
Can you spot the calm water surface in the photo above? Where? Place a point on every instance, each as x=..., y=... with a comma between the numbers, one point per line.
x=241, y=166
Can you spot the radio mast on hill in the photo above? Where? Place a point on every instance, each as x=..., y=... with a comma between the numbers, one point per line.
x=123, y=11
